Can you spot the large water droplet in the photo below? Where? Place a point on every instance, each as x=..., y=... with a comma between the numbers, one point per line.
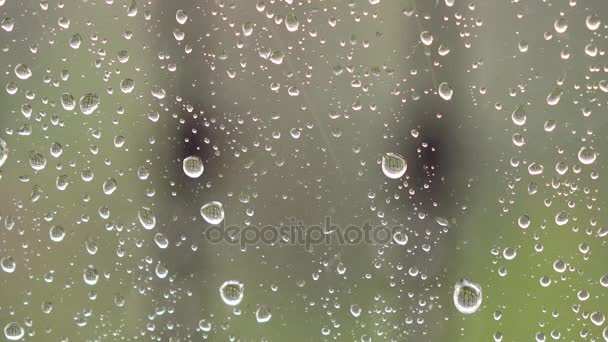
x=37, y=161
x=88, y=103
x=75, y=41
x=13, y=331
x=68, y=102
x=213, y=212
x=7, y=24
x=8, y=264
x=445, y=91
x=426, y=38
x=291, y=22
x=393, y=165
x=232, y=292
x=586, y=155
x=181, y=16
x=57, y=233
x=193, y=166
x=23, y=71
x=562, y=218
x=263, y=314
x=593, y=22
x=467, y=296
x=554, y=97
x=90, y=275
x=146, y=217
x=519, y=116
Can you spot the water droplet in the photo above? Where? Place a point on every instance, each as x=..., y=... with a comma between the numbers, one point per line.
x=559, y=266
x=123, y=56
x=213, y=212
x=263, y=314
x=13, y=331
x=7, y=24
x=561, y=25
x=158, y=92
x=204, y=325
x=232, y=292
x=355, y=310
x=127, y=85
x=597, y=318
x=426, y=38
x=295, y=133
x=467, y=296
x=445, y=91
x=75, y=41
x=400, y=238
x=524, y=222
x=247, y=29
x=8, y=264
x=90, y=275
x=132, y=9
x=535, y=169
x=57, y=233
x=68, y=102
x=37, y=161
x=23, y=71
x=109, y=186
x=276, y=57
x=193, y=166
x=550, y=125
x=88, y=103
x=604, y=280
x=393, y=165
x=562, y=218
x=161, y=240
x=62, y=182
x=586, y=155
x=3, y=152
x=146, y=217
x=554, y=97
x=593, y=22
x=519, y=116
x=591, y=50
x=161, y=271
x=518, y=140
x=291, y=22
x=509, y=253
x=441, y=221
x=181, y=16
